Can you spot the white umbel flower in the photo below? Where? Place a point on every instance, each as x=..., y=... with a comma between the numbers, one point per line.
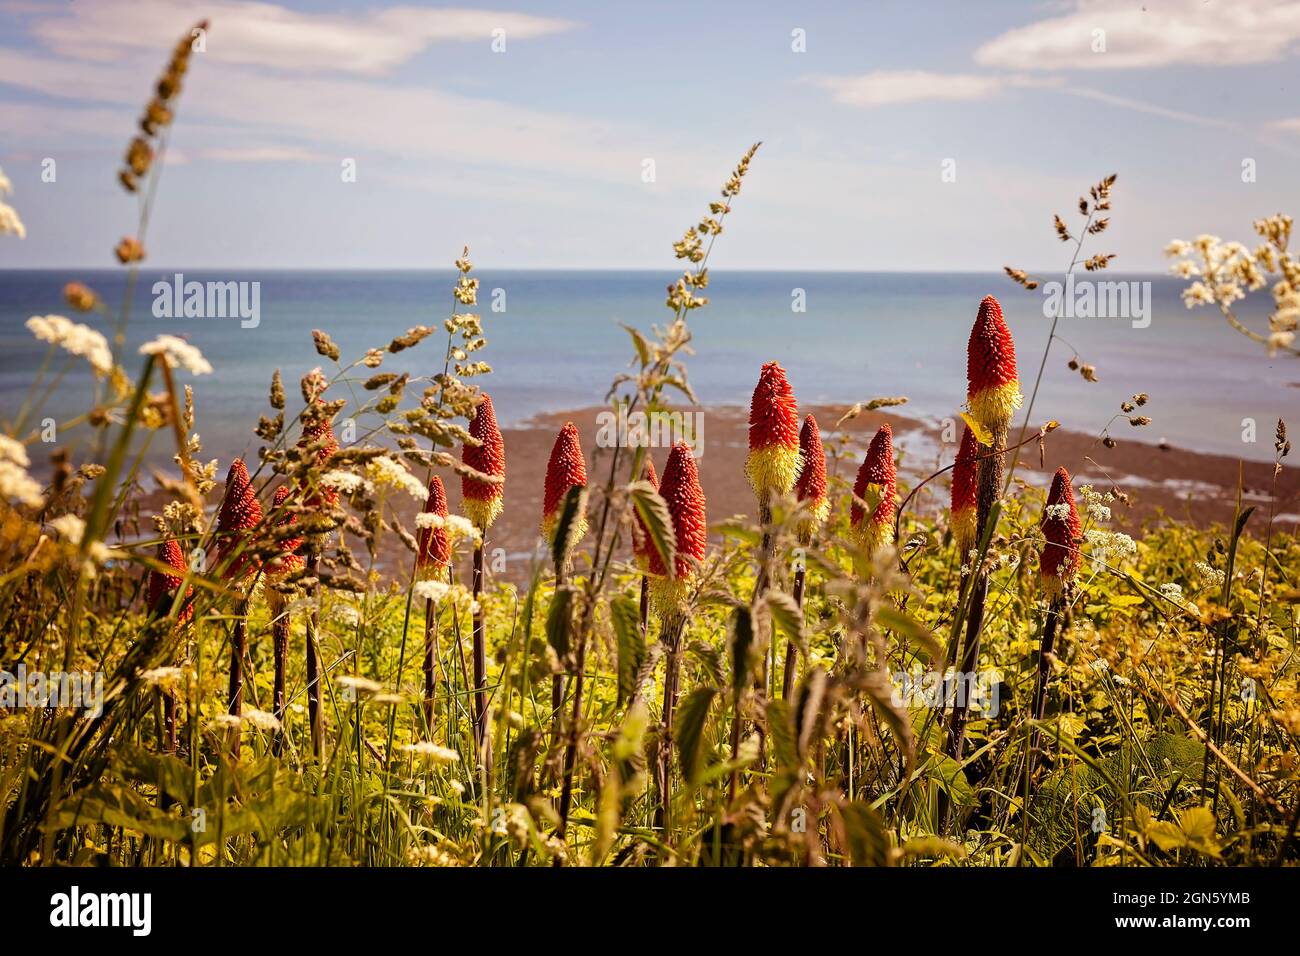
x=74, y=338
x=179, y=354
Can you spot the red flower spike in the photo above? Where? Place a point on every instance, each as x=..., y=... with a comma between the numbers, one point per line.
x=964, y=493
x=435, y=545
x=810, y=486
x=566, y=469
x=288, y=560
x=481, y=500
x=773, y=461
x=876, y=474
x=1059, y=562
x=993, y=387
x=240, y=514
x=321, y=432
x=681, y=491
x=162, y=586
x=642, y=543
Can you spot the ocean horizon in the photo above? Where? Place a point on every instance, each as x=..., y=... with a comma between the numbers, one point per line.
x=555, y=343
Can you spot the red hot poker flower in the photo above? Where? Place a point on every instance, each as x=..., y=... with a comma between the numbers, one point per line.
x=877, y=477
x=964, y=493
x=681, y=491
x=288, y=560
x=320, y=433
x=566, y=469
x=810, y=486
x=642, y=543
x=1059, y=562
x=773, y=461
x=162, y=586
x=435, y=544
x=482, y=501
x=993, y=388
x=240, y=514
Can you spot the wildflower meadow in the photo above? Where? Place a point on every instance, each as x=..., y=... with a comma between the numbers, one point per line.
x=309, y=656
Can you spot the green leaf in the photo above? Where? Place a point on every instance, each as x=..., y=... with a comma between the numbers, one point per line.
x=740, y=639
x=689, y=732
x=640, y=343
x=810, y=710
x=982, y=434
x=1199, y=830
x=787, y=615
x=865, y=834
x=566, y=529
x=558, y=619
x=709, y=659
x=932, y=846
x=782, y=735
x=950, y=776
x=900, y=622
x=626, y=615
x=653, y=512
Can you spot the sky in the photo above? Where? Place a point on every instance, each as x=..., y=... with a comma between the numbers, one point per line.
x=896, y=135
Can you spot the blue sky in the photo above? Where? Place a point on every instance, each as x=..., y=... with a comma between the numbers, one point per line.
x=534, y=155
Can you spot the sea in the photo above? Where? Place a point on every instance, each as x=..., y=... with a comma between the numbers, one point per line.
x=556, y=341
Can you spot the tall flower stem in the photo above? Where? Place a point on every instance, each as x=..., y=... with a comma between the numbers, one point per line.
x=480, y=651
x=791, y=648
x=280, y=652
x=430, y=664
x=645, y=607
x=672, y=639
x=1050, y=629
x=314, y=675
x=991, y=470
x=238, y=648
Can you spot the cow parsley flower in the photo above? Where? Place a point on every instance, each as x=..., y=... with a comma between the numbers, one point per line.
x=74, y=338
x=179, y=354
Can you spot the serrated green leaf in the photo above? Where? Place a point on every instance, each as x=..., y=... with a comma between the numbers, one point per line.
x=572, y=509
x=626, y=616
x=786, y=614
x=653, y=512
x=740, y=640
x=689, y=732
x=865, y=834
x=558, y=620
x=901, y=622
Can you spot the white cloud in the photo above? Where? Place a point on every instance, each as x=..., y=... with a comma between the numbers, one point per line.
x=259, y=154
x=1155, y=33
x=887, y=87
x=361, y=118
x=268, y=35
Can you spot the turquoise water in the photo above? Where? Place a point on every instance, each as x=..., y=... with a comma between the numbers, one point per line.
x=558, y=343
